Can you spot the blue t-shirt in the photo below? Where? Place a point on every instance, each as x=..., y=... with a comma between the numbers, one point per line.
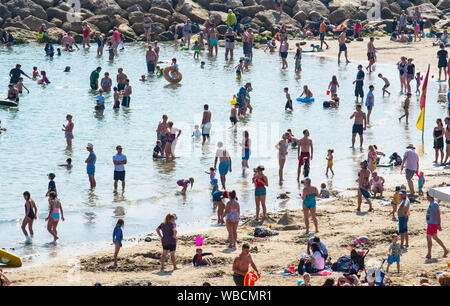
x=52, y=186
x=242, y=91
x=431, y=216
x=370, y=94
x=360, y=75
x=448, y=98
x=217, y=196
x=119, y=158
x=92, y=159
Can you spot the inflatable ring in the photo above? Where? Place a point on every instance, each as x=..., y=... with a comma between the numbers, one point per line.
x=166, y=74
x=305, y=100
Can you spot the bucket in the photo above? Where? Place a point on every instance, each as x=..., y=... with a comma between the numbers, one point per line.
x=198, y=241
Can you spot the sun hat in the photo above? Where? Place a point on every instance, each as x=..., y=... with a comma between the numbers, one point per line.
x=410, y=146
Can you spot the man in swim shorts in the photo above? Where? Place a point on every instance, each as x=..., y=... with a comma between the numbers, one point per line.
x=364, y=186
x=161, y=132
x=213, y=40
x=206, y=123
x=247, y=40
x=360, y=119
x=119, y=160
x=224, y=162
x=322, y=31
x=359, y=83
x=15, y=73
x=121, y=78
x=342, y=46
x=150, y=58
x=241, y=264
x=126, y=94
x=305, y=145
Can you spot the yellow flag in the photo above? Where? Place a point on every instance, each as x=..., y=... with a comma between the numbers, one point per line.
x=419, y=123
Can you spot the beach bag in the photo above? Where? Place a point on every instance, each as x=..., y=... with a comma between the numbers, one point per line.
x=262, y=232
x=343, y=264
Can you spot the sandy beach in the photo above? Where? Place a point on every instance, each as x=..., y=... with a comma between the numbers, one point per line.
x=339, y=224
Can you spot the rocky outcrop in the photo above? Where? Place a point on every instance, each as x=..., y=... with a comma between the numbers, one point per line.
x=25, y=16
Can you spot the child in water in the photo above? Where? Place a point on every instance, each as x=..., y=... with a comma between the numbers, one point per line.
x=196, y=49
x=214, y=184
x=324, y=192
x=67, y=69
x=394, y=254
x=418, y=81
x=185, y=183
x=406, y=108
x=35, y=73
x=68, y=164
x=306, y=167
x=233, y=116
x=20, y=85
x=386, y=83
x=117, y=239
x=291, y=138
x=421, y=182
x=159, y=71
x=44, y=79
x=288, y=100
x=116, y=98
x=395, y=201
x=308, y=94
x=51, y=184
x=330, y=161
x=196, y=132
x=143, y=78
x=239, y=68
x=212, y=173
x=157, y=150
x=298, y=58
x=202, y=65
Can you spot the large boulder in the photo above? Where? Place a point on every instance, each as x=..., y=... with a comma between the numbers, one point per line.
x=158, y=28
x=443, y=4
x=427, y=10
x=314, y=5
x=345, y=12
x=178, y=18
x=57, y=22
x=55, y=34
x=271, y=19
x=250, y=10
x=75, y=26
x=106, y=7
x=136, y=17
x=138, y=28
x=102, y=22
x=117, y=20
x=21, y=34
x=160, y=12
x=395, y=8
x=45, y=3
x=301, y=17
x=233, y=3
x=134, y=8
x=165, y=4
x=15, y=24
x=166, y=36
x=34, y=23
x=53, y=12
x=250, y=2
x=192, y=10
x=164, y=21
x=386, y=13
x=404, y=4
x=217, y=7
x=24, y=8
x=4, y=12
x=268, y=4
x=124, y=4
x=127, y=31
x=217, y=17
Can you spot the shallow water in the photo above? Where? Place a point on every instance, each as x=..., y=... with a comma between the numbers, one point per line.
x=34, y=143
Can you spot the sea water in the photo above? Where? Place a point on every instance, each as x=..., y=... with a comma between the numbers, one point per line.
x=34, y=143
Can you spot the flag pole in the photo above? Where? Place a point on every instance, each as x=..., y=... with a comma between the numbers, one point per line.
x=423, y=126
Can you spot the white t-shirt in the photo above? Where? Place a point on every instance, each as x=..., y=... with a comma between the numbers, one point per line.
x=119, y=158
x=319, y=262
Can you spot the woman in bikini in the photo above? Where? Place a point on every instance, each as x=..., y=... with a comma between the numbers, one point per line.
x=68, y=130
x=232, y=212
x=55, y=212
x=106, y=83
x=30, y=216
x=401, y=66
x=147, y=27
x=438, y=135
x=260, y=180
x=333, y=86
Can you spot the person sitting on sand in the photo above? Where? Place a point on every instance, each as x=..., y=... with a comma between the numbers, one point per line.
x=308, y=94
x=324, y=192
x=377, y=183
x=198, y=259
x=313, y=264
x=442, y=40
x=185, y=183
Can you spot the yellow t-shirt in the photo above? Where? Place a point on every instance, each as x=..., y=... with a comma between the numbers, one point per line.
x=396, y=198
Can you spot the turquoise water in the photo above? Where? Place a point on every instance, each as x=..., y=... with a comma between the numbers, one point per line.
x=34, y=143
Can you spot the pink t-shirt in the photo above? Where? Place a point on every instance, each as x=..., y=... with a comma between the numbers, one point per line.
x=116, y=36
x=412, y=159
